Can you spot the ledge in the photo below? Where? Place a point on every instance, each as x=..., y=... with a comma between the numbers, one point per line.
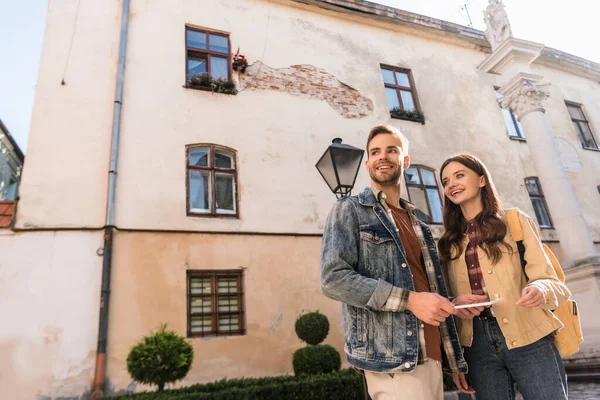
x=207, y=89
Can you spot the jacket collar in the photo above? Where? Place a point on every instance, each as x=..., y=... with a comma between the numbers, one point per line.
x=369, y=196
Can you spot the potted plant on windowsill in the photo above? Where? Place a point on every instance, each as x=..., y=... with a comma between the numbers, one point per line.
x=206, y=82
x=408, y=115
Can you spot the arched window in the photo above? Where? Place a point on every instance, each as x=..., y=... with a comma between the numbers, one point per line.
x=424, y=193
x=211, y=180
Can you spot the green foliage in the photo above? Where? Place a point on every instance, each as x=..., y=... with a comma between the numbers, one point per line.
x=224, y=86
x=313, y=327
x=318, y=359
x=413, y=115
x=161, y=358
x=206, y=81
x=201, y=80
x=343, y=385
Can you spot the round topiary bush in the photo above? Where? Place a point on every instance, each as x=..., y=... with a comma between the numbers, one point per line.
x=161, y=358
x=313, y=327
x=318, y=359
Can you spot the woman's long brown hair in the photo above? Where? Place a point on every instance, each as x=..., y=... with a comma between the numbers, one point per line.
x=490, y=220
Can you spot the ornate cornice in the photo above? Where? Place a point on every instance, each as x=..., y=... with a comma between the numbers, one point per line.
x=523, y=95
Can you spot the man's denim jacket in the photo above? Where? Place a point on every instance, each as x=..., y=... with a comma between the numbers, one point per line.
x=361, y=261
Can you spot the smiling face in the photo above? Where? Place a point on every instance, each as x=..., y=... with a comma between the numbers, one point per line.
x=386, y=160
x=461, y=184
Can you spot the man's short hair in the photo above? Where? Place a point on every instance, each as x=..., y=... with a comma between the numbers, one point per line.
x=390, y=130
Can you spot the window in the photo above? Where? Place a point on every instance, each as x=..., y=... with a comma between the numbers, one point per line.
x=12, y=189
x=211, y=181
x=215, y=303
x=400, y=89
x=424, y=193
x=513, y=126
x=538, y=201
x=582, y=127
x=207, y=52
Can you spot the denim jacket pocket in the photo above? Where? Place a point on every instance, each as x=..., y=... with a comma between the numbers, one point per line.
x=362, y=324
x=377, y=247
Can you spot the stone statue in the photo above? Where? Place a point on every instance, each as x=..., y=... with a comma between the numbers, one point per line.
x=496, y=22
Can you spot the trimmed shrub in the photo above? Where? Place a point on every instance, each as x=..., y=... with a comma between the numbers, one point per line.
x=343, y=385
x=161, y=358
x=318, y=359
x=313, y=327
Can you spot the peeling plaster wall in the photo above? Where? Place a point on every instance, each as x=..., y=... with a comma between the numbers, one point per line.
x=49, y=299
x=280, y=132
x=310, y=82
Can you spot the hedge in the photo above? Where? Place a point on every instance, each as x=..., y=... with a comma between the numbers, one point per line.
x=343, y=385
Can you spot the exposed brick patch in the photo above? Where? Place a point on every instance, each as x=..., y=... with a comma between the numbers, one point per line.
x=311, y=82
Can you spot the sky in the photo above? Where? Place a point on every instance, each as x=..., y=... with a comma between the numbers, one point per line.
x=572, y=26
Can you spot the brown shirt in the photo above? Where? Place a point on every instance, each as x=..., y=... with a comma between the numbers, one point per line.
x=413, y=256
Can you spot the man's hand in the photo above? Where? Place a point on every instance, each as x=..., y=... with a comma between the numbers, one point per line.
x=532, y=297
x=461, y=383
x=469, y=313
x=430, y=308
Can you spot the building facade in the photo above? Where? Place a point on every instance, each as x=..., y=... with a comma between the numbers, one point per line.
x=218, y=208
x=11, y=165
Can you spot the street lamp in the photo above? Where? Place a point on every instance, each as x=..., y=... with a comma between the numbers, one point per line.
x=339, y=167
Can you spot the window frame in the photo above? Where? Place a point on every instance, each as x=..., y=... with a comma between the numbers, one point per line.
x=515, y=122
x=214, y=274
x=207, y=52
x=542, y=197
x=424, y=188
x=212, y=170
x=579, y=122
x=412, y=89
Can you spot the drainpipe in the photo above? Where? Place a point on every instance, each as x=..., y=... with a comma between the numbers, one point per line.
x=100, y=372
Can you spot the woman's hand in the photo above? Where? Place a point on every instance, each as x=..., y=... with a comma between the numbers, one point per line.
x=469, y=313
x=461, y=383
x=531, y=297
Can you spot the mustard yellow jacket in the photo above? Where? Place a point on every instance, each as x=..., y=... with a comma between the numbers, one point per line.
x=520, y=325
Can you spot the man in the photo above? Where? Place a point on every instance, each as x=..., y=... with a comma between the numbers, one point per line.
x=381, y=263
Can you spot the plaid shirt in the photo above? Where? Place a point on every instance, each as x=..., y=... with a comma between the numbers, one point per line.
x=472, y=259
x=398, y=298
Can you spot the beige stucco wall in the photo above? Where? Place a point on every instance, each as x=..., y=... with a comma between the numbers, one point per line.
x=64, y=180
x=281, y=281
x=49, y=300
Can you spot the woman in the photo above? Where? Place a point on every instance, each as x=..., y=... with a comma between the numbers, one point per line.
x=511, y=342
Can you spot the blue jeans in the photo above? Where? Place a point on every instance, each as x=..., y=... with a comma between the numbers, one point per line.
x=537, y=368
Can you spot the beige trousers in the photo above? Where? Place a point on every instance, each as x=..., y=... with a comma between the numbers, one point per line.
x=423, y=383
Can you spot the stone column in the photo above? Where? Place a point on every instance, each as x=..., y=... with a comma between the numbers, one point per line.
x=524, y=96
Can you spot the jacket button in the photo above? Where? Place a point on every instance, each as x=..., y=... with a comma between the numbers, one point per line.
x=409, y=333
x=505, y=320
x=407, y=365
x=403, y=265
x=514, y=343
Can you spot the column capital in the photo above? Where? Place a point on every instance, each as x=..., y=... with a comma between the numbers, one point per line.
x=523, y=94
